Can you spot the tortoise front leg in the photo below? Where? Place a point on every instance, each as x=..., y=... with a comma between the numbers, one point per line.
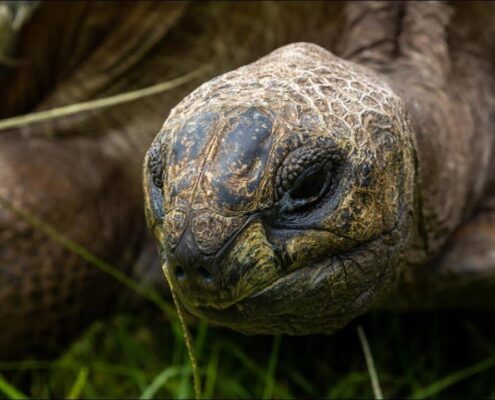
x=371, y=30
x=449, y=96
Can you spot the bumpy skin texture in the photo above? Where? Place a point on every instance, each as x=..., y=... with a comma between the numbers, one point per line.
x=291, y=240
x=284, y=269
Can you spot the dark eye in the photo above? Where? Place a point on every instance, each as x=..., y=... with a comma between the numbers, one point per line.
x=305, y=176
x=307, y=189
x=310, y=185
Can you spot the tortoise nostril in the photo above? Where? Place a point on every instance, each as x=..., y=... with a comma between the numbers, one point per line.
x=179, y=273
x=203, y=273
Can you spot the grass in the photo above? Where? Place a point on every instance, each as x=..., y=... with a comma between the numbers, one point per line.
x=421, y=355
x=21, y=120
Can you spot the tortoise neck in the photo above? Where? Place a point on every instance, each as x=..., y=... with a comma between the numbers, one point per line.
x=447, y=92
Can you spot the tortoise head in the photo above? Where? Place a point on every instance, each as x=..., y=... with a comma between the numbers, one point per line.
x=281, y=193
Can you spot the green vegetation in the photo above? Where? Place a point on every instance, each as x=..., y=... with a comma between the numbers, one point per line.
x=416, y=355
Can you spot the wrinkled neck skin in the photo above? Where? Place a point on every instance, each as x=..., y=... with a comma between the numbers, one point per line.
x=447, y=87
x=453, y=142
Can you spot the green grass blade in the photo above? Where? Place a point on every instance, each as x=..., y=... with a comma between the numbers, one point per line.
x=212, y=371
x=234, y=388
x=301, y=381
x=442, y=384
x=375, y=383
x=80, y=382
x=199, y=342
x=232, y=349
x=10, y=391
x=348, y=387
x=235, y=351
x=272, y=365
x=187, y=337
x=183, y=390
x=21, y=120
x=161, y=379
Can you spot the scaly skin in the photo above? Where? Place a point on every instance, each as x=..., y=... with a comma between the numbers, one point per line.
x=298, y=271
x=248, y=241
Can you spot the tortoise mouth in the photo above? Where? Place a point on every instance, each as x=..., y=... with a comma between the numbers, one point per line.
x=240, y=308
x=318, y=298
x=227, y=297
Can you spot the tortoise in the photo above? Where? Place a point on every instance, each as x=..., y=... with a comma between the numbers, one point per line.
x=351, y=166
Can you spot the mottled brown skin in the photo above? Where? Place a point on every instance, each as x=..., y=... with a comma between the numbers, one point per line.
x=398, y=119
x=398, y=142
x=279, y=263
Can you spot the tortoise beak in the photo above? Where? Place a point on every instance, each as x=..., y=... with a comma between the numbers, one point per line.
x=242, y=267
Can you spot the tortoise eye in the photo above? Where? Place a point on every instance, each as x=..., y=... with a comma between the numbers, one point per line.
x=308, y=188
x=305, y=175
x=310, y=185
